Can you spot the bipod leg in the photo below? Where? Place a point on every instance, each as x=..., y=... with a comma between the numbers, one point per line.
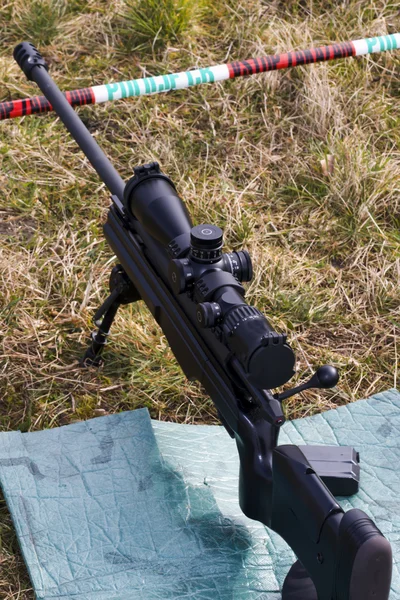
x=122, y=292
x=92, y=356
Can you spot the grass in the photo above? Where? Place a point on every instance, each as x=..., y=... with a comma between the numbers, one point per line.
x=245, y=154
x=155, y=23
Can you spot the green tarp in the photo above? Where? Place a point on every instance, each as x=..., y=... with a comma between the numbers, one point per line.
x=121, y=507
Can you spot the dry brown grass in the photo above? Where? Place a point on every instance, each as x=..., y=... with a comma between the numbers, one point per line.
x=245, y=154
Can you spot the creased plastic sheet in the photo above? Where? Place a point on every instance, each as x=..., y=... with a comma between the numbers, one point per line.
x=122, y=507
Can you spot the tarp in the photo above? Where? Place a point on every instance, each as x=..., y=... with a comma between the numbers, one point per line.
x=121, y=507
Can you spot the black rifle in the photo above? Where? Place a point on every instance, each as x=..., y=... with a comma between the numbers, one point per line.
x=194, y=292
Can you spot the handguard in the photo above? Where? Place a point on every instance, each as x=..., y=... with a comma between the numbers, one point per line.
x=195, y=293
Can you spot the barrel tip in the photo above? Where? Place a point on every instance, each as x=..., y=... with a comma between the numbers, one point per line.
x=28, y=57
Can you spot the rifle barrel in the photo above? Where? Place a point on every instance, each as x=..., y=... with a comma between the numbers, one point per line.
x=79, y=132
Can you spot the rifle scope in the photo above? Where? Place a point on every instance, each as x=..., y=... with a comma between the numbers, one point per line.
x=210, y=278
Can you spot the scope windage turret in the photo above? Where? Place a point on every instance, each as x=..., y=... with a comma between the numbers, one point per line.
x=211, y=279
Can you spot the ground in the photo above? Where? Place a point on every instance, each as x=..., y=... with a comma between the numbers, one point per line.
x=244, y=154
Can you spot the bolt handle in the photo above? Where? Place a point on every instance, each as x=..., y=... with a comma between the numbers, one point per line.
x=325, y=377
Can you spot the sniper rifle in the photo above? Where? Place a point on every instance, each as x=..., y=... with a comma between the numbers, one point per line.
x=195, y=293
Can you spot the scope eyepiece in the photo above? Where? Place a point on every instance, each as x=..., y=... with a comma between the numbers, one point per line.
x=265, y=354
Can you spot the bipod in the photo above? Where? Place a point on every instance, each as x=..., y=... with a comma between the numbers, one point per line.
x=122, y=292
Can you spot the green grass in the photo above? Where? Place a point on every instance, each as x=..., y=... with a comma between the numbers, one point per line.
x=245, y=154
x=156, y=23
